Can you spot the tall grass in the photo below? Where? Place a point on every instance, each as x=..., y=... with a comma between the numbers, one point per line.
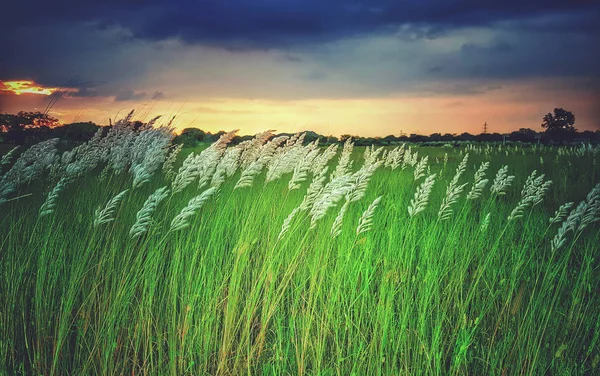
x=279, y=257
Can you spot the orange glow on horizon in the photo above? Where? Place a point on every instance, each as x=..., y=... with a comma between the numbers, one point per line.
x=25, y=87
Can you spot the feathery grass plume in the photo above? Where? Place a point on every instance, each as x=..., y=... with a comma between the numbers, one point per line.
x=227, y=166
x=167, y=167
x=371, y=157
x=453, y=191
x=479, y=183
x=361, y=180
x=561, y=213
x=420, y=168
x=254, y=169
x=50, y=204
x=301, y=170
x=286, y=158
x=485, y=223
x=287, y=223
x=419, y=202
x=366, y=220
x=343, y=164
x=502, y=181
x=144, y=216
x=181, y=220
x=107, y=214
x=336, y=228
x=149, y=151
x=532, y=194
x=321, y=160
x=329, y=196
x=6, y=157
x=394, y=157
x=5, y=189
x=586, y=213
x=32, y=163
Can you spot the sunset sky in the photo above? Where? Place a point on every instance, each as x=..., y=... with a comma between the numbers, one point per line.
x=370, y=68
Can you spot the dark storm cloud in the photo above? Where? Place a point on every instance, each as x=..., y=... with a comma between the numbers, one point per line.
x=129, y=95
x=281, y=23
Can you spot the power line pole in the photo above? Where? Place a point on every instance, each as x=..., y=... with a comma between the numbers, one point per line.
x=485, y=128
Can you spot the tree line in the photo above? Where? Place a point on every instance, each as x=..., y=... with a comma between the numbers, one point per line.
x=33, y=127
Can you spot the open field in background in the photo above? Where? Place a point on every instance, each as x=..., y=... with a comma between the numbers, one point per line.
x=275, y=257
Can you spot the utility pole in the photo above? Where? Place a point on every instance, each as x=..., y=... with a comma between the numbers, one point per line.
x=485, y=128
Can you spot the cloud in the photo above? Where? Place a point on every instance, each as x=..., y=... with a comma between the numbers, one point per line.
x=262, y=24
x=129, y=95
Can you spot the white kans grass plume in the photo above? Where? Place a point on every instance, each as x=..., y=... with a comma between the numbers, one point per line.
x=49, y=205
x=421, y=198
x=144, y=215
x=485, y=223
x=7, y=157
x=561, y=212
x=344, y=162
x=532, y=194
x=366, y=220
x=586, y=213
x=479, y=183
x=420, y=168
x=453, y=191
x=287, y=223
x=336, y=228
x=501, y=182
x=182, y=220
x=107, y=215
x=167, y=167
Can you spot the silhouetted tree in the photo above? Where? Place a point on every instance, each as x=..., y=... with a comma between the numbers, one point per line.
x=562, y=119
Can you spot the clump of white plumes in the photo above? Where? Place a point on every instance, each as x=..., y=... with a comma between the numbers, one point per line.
x=201, y=167
x=149, y=151
x=30, y=165
x=561, y=212
x=329, y=196
x=532, y=194
x=586, y=213
x=371, y=154
x=227, y=166
x=366, y=220
x=304, y=166
x=479, y=183
x=286, y=158
x=106, y=215
x=394, y=157
x=144, y=215
x=254, y=168
x=321, y=160
x=420, y=168
x=361, y=180
x=49, y=205
x=181, y=220
x=419, y=202
x=502, y=181
x=453, y=191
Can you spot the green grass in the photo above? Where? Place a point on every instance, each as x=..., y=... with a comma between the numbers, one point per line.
x=225, y=296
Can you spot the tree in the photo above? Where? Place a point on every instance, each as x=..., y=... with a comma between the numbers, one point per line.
x=190, y=137
x=562, y=119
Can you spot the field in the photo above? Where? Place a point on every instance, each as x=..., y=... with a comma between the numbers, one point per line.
x=128, y=256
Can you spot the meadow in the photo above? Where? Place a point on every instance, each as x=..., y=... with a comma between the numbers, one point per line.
x=130, y=256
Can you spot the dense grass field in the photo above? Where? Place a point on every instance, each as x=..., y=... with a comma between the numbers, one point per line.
x=277, y=257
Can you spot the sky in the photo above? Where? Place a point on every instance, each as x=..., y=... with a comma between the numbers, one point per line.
x=369, y=68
